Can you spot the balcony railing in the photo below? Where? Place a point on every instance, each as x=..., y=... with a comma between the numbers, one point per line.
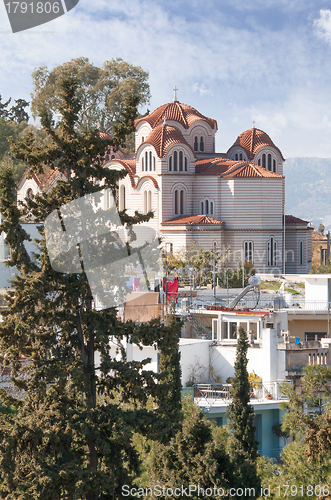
x=220, y=393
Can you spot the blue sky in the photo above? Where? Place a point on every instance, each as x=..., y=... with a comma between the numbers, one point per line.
x=235, y=61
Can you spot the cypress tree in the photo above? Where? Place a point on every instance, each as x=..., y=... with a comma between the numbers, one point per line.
x=71, y=435
x=243, y=445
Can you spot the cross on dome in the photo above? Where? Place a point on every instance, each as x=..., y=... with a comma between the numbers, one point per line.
x=175, y=90
x=253, y=123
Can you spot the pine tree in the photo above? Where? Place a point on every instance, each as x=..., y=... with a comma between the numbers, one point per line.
x=243, y=445
x=71, y=435
x=196, y=456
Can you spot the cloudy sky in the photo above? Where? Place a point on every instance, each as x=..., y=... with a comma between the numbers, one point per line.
x=233, y=60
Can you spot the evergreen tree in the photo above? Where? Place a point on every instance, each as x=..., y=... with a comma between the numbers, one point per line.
x=4, y=112
x=17, y=113
x=71, y=435
x=243, y=445
x=196, y=456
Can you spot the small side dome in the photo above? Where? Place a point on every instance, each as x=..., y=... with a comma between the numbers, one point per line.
x=252, y=141
x=163, y=137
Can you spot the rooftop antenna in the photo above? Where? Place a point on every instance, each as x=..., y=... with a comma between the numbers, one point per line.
x=175, y=90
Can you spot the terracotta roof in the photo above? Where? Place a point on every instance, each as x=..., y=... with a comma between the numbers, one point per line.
x=129, y=165
x=253, y=140
x=178, y=112
x=148, y=177
x=105, y=135
x=319, y=237
x=192, y=220
x=164, y=136
x=226, y=168
x=290, y=219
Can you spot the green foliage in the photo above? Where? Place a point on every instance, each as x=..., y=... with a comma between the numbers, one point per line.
x=235, y=277
x=243, y=445
x=307, y=460
x=101, y=91
x=321, y=229
x=196, y=455
x=72, y=435
x=322, y=268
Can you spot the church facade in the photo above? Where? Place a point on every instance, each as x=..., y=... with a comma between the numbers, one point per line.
x=233, y=201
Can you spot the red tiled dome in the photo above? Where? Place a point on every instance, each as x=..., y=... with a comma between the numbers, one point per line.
x=252, y=141
x=164, y=136
x=178, y=112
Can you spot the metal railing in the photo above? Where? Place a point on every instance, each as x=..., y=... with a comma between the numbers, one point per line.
x=221, y=393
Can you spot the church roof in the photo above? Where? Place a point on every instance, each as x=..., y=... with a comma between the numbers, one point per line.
x=226, y=168
x=178, y=112
x=164, y=136
x=192, y=220
x=252, y=141
x=290, y=219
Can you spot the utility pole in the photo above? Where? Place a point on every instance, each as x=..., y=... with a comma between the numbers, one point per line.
x=214, y=264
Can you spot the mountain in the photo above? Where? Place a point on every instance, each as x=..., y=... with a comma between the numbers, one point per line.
x=308, y=189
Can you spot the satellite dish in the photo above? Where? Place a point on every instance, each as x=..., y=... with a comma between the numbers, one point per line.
x=254, y=280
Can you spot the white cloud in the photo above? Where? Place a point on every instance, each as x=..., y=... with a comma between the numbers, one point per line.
x=322, y=25
x=201, y=89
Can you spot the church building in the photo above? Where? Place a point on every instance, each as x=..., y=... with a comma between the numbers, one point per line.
x=233, y=201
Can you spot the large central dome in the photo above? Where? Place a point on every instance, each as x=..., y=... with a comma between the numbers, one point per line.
x=178, y=112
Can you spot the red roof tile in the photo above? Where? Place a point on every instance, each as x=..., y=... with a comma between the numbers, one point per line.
x=224, y=167
x=192, y=220
x=164, y=136
x=178, y=112
x=148, y=177
x=290, y=219
x=253, y=140
x=129, y=165
x=105, y=135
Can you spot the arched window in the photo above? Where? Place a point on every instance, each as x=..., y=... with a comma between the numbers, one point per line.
x=180, y=161
x=170, y=163
x=272, y=252
x=146, y=160
x=248, y=250
x=195, y=146
x=142, y=139
x=236, y=156
x=150, y=160
x=301, y=253
x=122, y=198
x=274, y=165
x=142, y=164
x=240, y=156
x=181, y=202
x=259, y=161
x=154, y=163
x=263, y=160
x=147, y=201
x=269, y=161
x=207, y=207
x=29, y=193
x=176, y=202
x=202, y=145
x=175, y=161
x=112, y=157
x=185, y=162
